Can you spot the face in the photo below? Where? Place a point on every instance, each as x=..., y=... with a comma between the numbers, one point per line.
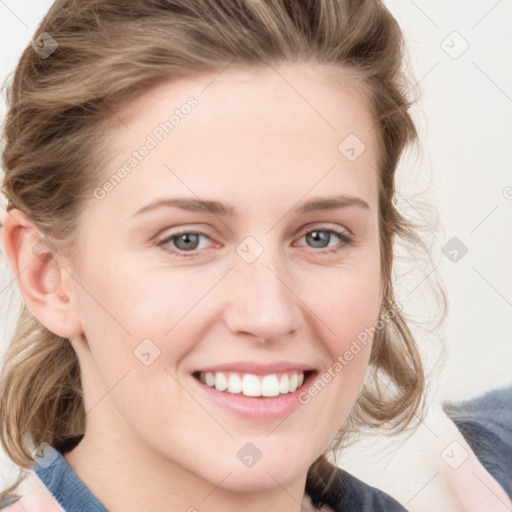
x=266, y=280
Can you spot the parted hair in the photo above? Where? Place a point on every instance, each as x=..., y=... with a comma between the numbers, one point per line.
x=111, y=51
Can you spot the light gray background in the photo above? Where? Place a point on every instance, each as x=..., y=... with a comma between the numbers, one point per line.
x=465, y=123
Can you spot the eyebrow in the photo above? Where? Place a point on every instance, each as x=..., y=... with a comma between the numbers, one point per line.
x=328, y=203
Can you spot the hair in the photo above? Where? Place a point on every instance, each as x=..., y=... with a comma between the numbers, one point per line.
x=111, y=51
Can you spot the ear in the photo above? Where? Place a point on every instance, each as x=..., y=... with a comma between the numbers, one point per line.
x=40, y=279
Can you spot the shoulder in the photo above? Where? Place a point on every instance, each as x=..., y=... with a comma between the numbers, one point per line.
x=30, y=496
x=486, y=424
x=346, y=493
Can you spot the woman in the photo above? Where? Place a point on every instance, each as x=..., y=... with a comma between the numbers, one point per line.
x=201, y=222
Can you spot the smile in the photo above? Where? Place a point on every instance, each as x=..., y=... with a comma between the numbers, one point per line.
x=252, y=385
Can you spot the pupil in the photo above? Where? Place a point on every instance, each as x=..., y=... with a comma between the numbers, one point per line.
x=319, y=236
x=189, y=240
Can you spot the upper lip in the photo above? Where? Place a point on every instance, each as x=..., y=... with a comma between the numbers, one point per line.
x=257, y=368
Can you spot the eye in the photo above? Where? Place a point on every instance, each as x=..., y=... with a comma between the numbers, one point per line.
x=185, y=241
x=321, y=237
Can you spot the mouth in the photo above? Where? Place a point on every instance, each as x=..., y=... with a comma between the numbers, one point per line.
x=250, y=385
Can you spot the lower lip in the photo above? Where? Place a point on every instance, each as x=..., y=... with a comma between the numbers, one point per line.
x=254, y=407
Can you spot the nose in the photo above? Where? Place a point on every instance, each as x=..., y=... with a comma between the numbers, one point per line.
x=261, y=300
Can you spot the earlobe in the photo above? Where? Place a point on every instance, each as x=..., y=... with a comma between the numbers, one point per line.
x=38, y=274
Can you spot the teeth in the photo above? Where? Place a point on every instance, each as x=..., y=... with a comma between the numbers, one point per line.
x=293, y=382
x=235, y=384
x=221, y=383
x=249, y=384
x=284, y=384
x=209, y=379
x=270, y=386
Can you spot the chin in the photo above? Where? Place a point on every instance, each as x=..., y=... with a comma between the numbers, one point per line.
x=275, y=472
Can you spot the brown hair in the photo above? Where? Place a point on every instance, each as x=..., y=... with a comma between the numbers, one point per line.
x=110, y=51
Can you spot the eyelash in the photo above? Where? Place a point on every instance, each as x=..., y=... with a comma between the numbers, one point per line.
x=345, y=238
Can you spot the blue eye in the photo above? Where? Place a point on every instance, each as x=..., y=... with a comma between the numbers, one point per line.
x=179, y=244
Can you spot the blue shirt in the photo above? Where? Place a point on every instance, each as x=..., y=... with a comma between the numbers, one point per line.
x=485, y=422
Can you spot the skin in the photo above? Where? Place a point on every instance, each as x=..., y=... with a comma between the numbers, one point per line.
x=152, y=441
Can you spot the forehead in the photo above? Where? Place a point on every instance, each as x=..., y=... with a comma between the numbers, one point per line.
x=279, y=133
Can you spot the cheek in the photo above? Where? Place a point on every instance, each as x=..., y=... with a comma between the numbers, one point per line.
x=348, y=308
x=126, y=303
x=348, y=302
